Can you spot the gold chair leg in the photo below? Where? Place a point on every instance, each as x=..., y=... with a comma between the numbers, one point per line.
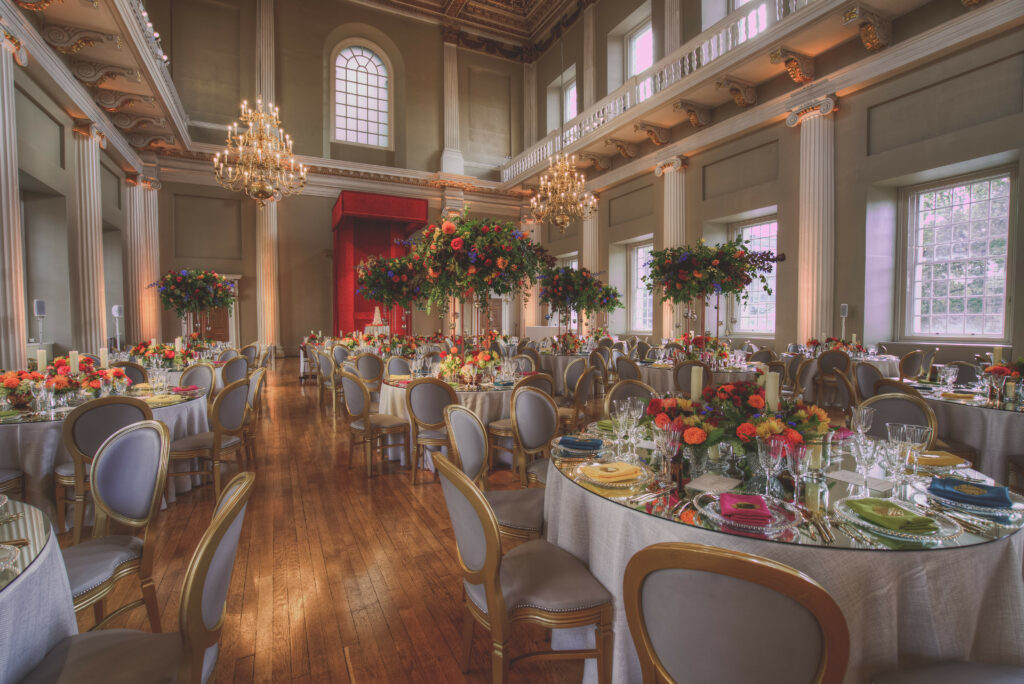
x=468, y=624
x=97, y=610
x=368, y=452
x=152, y=607
x=79, y=517
x=215, y=467
x=604, y=640
x=62, y=507
x=414, y=458
x=499, y=663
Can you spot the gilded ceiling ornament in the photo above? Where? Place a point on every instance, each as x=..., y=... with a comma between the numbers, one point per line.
x=743, y=94
x=36, y=5
x=94, y=74
x=875, y=30
x=70, y=40
x=697, y=115
x=658, y=135
x=88, y=129
x=799, y=67
x=115, y=101
x=128, y=122
x=17, y=50
x=626, y=149
x=150, y=141
x=599, y=162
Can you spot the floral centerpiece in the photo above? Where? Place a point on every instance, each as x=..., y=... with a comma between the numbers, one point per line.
x=568, y=343
x=466, y=367
x=834, y=343
x=162, y=355
x=93, y=383
x=598, y=333
x=192, y=290
x=812, y=342
x=684, y=274
x=399, y=345
x=16, y=387
x=703, y=347
x=1009, y=370
x=565, y=290
x=391, y=281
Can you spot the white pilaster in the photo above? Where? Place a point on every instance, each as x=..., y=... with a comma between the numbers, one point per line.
x=531, y=307
x=529, y=105
x=590, y=254
x=13, y=332
x=149, y=299
x=141, y=257
x=673, y=230
x=265, y=50
x=85, y=243
x=816, y=291
x=452, y=160
x=589, y=56
x=267, y=309
x=673, y=39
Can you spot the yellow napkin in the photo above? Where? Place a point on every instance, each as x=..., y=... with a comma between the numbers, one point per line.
x=939, y=459
x=401, y=377
x=141, y=387
x=957, y=395
x=612, y=472
x=163, y=400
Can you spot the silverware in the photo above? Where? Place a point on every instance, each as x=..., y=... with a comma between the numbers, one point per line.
x=823, y=526
x=11, y=518
x=973, y=524
x=809, y=523
x=14, y=542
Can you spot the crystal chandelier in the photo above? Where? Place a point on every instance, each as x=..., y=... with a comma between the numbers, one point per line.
x=259, y=161
x=562, y=197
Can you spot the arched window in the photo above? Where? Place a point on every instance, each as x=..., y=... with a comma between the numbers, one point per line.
x=362, y=109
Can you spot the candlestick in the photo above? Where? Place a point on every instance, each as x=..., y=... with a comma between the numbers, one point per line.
x=40, y=360
x=177, y=344
x=696, y=382
x=104, y=357
x=771, y=391
x=855, y=338
x=152, y=341
x=73, y=361
x=997, y=355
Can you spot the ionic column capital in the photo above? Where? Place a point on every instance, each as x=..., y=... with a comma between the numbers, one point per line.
x=670, y=164
x=821, y=107
x=11, y=44
x=89, y=130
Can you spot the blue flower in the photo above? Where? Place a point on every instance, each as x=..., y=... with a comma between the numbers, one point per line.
x=184, y=272
x=391, y=274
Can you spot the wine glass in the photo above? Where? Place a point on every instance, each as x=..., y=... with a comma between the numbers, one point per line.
x=797, y=461
x=620, y=421
x=38, y=390
x=771, y=458
x=862, y=418
x=865, y=453
x=917, y=437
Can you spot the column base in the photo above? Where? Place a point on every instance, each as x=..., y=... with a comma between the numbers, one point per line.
x=452, y=161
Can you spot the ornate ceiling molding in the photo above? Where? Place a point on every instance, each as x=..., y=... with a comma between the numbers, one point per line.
x=95, y=74
x=697, y=115
x=626, y=149
x=150, y=141
x=36, y=5
x=743, y=94
x=875, y=30
x=657, y=135
x=671, y=164
x=799, y=67
x=971, y=4
x=116, y=101
x=497, y=48
x=70, y=40
x=820, y=107
x=598, y=162
x=127, y=122
x=12, y=44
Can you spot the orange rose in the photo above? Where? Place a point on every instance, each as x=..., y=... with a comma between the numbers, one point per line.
x=792, y=436
x=668, y=402
x=662, y=421
x=694, y=436
x=447, y=227
x=746, y=431
x=756, y=401
x=11, y=383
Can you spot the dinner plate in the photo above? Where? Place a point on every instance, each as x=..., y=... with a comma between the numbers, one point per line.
x=784, y=515
x=1016, y=507
x=8, y=554
x=645, y=478
x=948, y=528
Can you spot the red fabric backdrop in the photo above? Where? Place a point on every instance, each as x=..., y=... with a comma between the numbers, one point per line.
x=365, y=224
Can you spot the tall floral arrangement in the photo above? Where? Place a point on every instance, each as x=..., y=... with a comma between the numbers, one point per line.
x=576, y=289
x=685, y=274
x=390, y=281
x=191, y=290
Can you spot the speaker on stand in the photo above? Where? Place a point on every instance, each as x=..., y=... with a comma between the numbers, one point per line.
x=117, y=311
x=39, y=311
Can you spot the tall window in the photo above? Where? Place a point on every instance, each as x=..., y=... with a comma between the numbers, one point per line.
x=641, y=302
x=756, y=315
x=640, y=49
x=957, y=239
x=362, y=107
x=569, y=105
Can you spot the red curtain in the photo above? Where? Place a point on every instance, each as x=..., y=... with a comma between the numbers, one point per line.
x=368, y=224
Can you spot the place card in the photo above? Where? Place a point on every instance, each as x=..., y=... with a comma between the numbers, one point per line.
x=850, y=477
x=646, y=444
x=711, y=482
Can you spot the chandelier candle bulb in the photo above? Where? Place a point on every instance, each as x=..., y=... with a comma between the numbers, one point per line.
x=104, y=357
x=771, y=391
x=696, y=382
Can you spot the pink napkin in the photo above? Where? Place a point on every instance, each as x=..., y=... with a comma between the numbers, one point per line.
x=190, y=388
x=525, y=373
x=747, y=509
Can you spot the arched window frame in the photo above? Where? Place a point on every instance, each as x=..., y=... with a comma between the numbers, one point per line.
x=333, y=80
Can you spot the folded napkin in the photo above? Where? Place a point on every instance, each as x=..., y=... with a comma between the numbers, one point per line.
x=525, y=373
x=503, y=383
x=190, y=388
x=6, y=414
x=973, y=493
x=142, y=386
x=939, y=459
x=647, y=362
x=612, y=472
x=158, y=400
x=580, y=443
x=748, y=509
x=892, y=517
x=605, y=425
x=957, y=395
x=401, y=377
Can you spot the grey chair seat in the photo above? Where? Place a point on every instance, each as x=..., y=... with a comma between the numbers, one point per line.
x=203, y=440
x=504, y=425
x=954, y=673
x=538, y=574
x=66, y=470
x=374, y=407
x=92, y=562
x=379, y=420
x=539, y=469
x=565, y=402
x=520, y=509
x=8, y=475
x=111, y=656
x=432, y=434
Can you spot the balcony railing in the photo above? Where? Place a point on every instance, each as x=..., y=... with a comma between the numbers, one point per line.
x=742, y=25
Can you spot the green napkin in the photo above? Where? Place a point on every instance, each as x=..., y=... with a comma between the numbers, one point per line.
x=605, y=425
x=5, y=414
x=892, y=517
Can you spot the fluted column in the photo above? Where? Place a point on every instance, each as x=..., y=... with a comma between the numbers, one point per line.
x=13, y=332
x=673, y=39
x=589, y=79
x=816, y=291
x=267, y=318
x=529, y=104
x=531, y=307
x=265, y=50
x=452, y=160
x=149, y=299
x=673, y=230
x=590, y=254
x=85, y=242
x=141, y=260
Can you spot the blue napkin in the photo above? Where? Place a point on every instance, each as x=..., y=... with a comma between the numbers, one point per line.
x=580, y=443
x=972, y=493
x=503, y=383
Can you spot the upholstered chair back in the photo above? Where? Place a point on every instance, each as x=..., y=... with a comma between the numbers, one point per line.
x=899, y=408
x=572, y=375
x=399, y=366
x=234, y=370
x=626, y=369
x=866, y=376
x=469, y=440
x=129, y=472
x=428, y=398
x=227, y=355
x=340, y=353
x=534, y=417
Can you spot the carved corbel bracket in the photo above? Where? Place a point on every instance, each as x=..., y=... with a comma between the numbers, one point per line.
x=799, y=67
x=88, y=129
x=115, y=101
x=128, y=122
x=698, y=116
x=150, y=141
x=70, y=40
x=671, y=164
x=150, y=183
x=599, y=163
x=657, y=134
x=94, y=74
x=875, y=30
x=626, y=149
x=823, y=107
x=743, y=94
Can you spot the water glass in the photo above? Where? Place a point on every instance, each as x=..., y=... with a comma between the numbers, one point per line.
x=862, y=418
x=797, y=461
x=918, y=437
x=865, y=453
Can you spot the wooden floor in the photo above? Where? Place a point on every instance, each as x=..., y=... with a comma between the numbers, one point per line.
x=337, y=578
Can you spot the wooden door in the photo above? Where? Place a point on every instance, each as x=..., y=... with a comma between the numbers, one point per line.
x=213, y=325
x=494, y=316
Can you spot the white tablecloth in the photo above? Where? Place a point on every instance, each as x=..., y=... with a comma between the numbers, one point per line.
x=662, y=382
x=888, y=365
x=36, y=609
x=35, y=449
x=555, y=365
x=902, y=607
x=995, y=434
x=174, y=378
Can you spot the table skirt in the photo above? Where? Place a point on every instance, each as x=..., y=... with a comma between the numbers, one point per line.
x=995, y=435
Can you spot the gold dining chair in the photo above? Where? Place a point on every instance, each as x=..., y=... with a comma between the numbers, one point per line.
x=425, y=401
x=133, y=371
x=534, y=424
x=252, y=415
x=202, y=374
x=368, y=428
x=500, y=431
x=571, y=418
x=625, y=389
x=681, y=377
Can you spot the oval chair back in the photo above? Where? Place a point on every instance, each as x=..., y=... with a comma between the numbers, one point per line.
x=534, y=355
x=681, y=376
x=542, y=381
x=370, y=368
x=250, y=351
x=967, y=372
x=767, y=602
x=780, y=368
x=202, y=374
x=625, y=389
x=207, y=579
x=792, y=366
x=398, y=365
x=234, y=370
x=355, y=395
x=227, y=355
x=426, y=399
x=572, y=375
x=255, y=399
x=762, y=356
x=627, y=369
x=534, y=419
x=468, y=441
x=128, y=475
x=887, y=386
x=642, y=348
x=229, y=407
x=845, y=397
x=805, y=375
x=927, y=360
x=900, y=408
x=599, y=364
x=133, y=371
x=582, y=395
x=866, y=376
x=605, y=343
x=521, y=346
x=605, y=353
x=833, y=361
x=340, y=353
x=910, y=364
x=524, y=362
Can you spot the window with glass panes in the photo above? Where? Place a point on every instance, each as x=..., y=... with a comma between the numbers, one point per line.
x=641, y=302
x=569, y=104
x=361, y=97
x=957, y=278
x=640, y=50
x=757, y=313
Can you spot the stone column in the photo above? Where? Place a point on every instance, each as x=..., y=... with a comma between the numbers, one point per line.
x=588, y=82
x=530, y=313
x=13, y=331
x=267, y=285
x=529, y=105
x=816, y=290
x=141, y=260
x=673, y=39
x=590, y=251
x=85, y=242
x=673, y=231
x=452, y=160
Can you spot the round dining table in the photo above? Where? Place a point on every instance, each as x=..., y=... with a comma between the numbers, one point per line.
x=996, y=433
x=659, y=376
x=555, y=365
x=36, y=608
x=32, y=444
x=960, y=600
